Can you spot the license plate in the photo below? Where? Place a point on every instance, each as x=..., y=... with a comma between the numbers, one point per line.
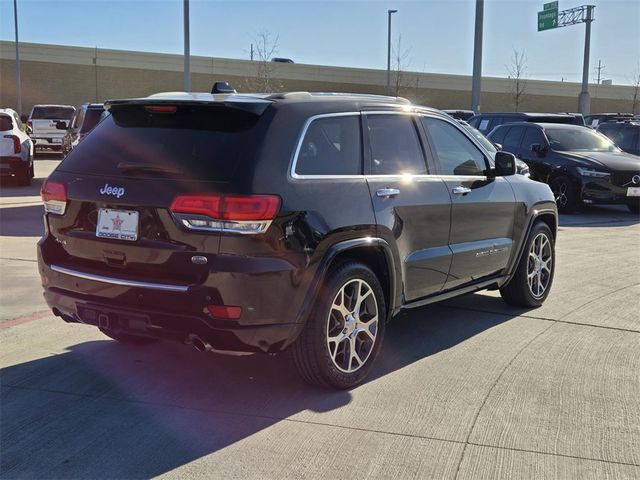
x=633, y=192
x=117, y=224
x=56, y=140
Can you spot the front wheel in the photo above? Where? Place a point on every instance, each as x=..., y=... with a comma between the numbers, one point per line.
x=344, y=332
x=565, y=193
x=530, y=285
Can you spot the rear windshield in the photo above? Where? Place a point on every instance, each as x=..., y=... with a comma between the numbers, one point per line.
x=52, y=113
x=194, y=142
x=5, y=123
x=91, y=119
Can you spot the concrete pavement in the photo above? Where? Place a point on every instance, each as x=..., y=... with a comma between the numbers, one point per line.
x=471, y=388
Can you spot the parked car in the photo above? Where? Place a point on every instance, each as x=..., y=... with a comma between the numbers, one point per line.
x=460, y=114
x=485, y=122
x=626, y=135
x=259, y=223
x=580, y=165
x=84, y=120
x=16, y=148
x=44, y=121
x=594, y=120
x=521, y=167
x=281, y=60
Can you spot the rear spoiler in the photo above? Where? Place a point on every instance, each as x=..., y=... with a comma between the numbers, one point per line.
x=247, y=103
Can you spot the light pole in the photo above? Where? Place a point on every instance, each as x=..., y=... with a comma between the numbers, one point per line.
x=18, y=84
x=477, y=58
x=584, y=101
x=389, y=12
x=187, y=66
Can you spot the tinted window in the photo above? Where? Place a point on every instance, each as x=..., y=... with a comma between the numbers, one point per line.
x=474, y=122
x=199, y=143
x=498, y=134
x=91, y=119
x=5, y=123
x=331, y=146
x=578, y=138
x=52, y=113
x=512, y=138
x=77, y=119
x=624, y=137
x=457, y=155
x=533, y=135
x=395, y=146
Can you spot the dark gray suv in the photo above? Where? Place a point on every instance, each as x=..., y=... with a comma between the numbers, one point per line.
x=302, y=222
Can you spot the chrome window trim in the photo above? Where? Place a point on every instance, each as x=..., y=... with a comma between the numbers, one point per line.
x=294, y=162
x=421, y=113
x=119, y=281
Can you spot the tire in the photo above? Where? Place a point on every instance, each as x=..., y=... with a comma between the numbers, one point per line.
x=128, y=338
x=565, y=193
x=634, y=207
x=323, y=362
x=520, y=292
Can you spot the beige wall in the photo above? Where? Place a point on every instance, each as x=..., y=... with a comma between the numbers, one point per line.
x=74, y=75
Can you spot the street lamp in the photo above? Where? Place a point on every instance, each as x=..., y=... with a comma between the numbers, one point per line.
x=18, y=86
x=187, y=54
x=389, y=12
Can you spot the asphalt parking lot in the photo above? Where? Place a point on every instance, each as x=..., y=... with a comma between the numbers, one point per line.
x=467, y=389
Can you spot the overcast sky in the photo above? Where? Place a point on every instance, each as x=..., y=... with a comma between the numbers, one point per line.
x=438, y=34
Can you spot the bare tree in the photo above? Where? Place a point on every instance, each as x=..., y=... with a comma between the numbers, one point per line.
x=266, y=46
x=517, y=69
x=399, y=63
x=636, y=92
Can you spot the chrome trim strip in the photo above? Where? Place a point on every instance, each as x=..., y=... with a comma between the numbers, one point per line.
x=119, y=281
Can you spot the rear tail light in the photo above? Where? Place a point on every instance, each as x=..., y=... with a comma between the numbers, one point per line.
x=17, y=146
x=246, y=214
x=225, y=311
x=54, y=197
x=161, y=109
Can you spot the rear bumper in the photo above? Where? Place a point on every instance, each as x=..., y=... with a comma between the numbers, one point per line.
x=177, y=312
x=13, y=166
x=51, y=142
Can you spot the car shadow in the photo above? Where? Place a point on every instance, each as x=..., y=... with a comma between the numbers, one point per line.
x=116, y=411
x=9, y=188
x=600, y=216
x=23, y=221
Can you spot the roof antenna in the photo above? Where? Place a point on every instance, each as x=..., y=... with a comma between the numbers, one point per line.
x=222, y=87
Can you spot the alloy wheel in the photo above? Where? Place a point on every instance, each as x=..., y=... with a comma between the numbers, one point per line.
x=539, y=265
x=352, y=326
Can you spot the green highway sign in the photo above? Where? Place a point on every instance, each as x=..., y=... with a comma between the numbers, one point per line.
x=550, y=6
x=547, y=19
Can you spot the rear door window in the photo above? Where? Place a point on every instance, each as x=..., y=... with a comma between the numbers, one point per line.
x=331, y=146
x=497, y=136
x=457, y=155
x=512, y=138
x=395, y=145
x=205, y=143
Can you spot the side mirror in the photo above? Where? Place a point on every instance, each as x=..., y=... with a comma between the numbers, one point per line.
x=505, y=164
x=540, y=150
x=60, y=125
x=28, y=129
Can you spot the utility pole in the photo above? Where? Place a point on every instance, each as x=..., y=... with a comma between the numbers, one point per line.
x=584, y=101
x=477, y=58
x=18, y=81
x=187, y=55
x=599, y=68
x=389, y=12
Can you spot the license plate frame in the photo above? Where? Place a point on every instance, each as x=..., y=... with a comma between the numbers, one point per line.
x=56, y=140
x=633, y=191
x=118, y=224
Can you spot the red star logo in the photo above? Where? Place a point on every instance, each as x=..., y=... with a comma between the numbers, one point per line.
x=117, y=223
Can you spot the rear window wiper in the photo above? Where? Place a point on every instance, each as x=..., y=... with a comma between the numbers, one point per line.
x=145, y=167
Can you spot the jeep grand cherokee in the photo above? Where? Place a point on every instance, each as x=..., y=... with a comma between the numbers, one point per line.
x=260, y=223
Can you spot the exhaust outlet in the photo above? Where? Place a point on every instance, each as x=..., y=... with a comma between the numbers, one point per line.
x=199, y=344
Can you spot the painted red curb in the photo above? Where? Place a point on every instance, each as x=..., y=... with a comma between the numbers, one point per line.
x=27, y=318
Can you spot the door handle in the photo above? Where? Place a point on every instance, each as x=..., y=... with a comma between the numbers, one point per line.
x=461, y=190
x=387, y=192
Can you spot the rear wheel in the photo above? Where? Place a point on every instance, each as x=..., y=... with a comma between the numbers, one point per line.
x=532, y=281
x=344, y=332
x=127, y=337
x=565, y=193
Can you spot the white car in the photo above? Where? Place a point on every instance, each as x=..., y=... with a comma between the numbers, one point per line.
x=49, y=123
x=16, y=148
